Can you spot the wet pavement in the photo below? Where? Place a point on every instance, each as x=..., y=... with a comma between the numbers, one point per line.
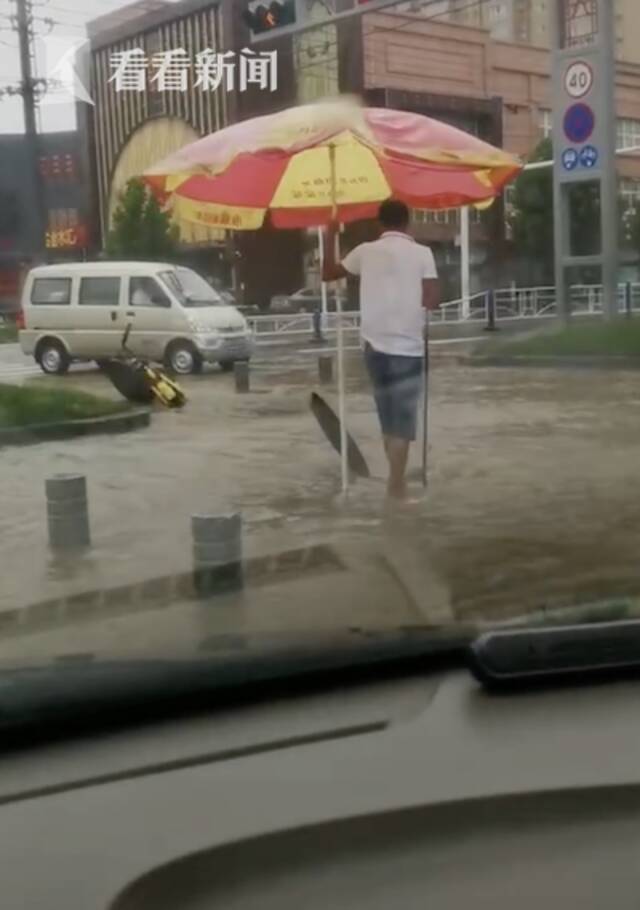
x=533, y=503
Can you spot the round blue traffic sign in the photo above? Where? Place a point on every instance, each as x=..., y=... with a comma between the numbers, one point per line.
x=579, y=123
x=570, y=159
x=589, y=156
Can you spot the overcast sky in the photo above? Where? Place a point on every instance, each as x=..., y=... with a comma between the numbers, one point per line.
x=70, y=17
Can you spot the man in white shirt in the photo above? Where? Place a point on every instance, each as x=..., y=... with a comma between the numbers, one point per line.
x=398, y=280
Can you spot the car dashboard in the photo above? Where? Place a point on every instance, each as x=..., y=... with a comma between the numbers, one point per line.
x=404, y=793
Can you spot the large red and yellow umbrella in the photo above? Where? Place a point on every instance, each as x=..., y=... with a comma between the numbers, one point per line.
x=309, y=164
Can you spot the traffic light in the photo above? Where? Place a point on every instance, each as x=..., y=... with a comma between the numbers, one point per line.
x=261, y=17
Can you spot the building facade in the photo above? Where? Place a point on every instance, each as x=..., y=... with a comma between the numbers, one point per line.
x=482, y=67
x=130, y=129
x=528, y=21
x=64, y=189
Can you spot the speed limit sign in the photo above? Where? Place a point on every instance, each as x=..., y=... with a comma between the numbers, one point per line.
x=578, y=79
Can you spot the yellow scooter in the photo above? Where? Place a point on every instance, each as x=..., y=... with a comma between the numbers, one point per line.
x=140, y=383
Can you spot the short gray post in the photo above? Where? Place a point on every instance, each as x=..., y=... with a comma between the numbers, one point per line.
x=628, y=300
x=67, y=512
x=241, y=374
x=491, y=311
x=217, y=552
x=325, y=369
x=316, y=321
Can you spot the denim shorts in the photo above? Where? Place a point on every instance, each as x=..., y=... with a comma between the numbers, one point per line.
x=397, y=383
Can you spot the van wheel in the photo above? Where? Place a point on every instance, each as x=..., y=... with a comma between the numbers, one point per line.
x=226, y=366
x=182, y=358
x=52, y=357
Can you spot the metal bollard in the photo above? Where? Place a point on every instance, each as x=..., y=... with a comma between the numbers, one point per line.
x=316, y=319
x=491, y=312
x=325, y=369
x=217, y=553
x=628, y=300
x=67, y=512
x=241, y=375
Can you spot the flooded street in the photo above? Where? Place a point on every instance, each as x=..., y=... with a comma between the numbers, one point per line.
x=533, y=500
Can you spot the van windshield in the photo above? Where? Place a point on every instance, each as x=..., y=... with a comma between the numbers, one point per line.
x=192, y=290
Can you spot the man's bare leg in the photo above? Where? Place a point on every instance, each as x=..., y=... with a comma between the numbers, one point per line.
x=398, y=456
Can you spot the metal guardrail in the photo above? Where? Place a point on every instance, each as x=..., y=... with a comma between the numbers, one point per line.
x=501, y=305
x=585, y=300
x=273, y=329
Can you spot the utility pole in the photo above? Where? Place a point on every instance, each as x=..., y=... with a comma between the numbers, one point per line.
x=34, y=201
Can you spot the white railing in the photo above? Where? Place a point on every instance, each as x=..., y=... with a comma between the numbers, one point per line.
x=271, y=330
x=269, y=326
x=456, y=311
x=524, y=303
x=514, y=303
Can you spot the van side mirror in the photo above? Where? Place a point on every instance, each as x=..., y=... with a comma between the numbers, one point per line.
x=161, y=300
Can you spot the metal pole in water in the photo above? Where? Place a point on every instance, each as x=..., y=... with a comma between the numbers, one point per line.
x=325, y=369
x=491, y=311
x=323, y=286
x=241, y=375
x=316, y=321
x=217, y=552
x=342, y=408
x=465, y=262
x=67, y=512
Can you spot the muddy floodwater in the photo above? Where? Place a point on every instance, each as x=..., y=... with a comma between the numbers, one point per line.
x=533, y=502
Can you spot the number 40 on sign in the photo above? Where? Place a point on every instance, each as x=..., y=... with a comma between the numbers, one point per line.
x=578, y=79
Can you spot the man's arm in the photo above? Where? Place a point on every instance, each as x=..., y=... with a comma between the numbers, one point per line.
x=430, y=293
x=332, y=270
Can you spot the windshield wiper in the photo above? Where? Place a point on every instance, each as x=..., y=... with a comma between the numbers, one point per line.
x=79, y=695
x=85, y=695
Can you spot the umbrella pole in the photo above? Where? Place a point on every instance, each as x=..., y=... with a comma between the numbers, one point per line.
x=323, y=286
x=342, y=408
x=425, y=408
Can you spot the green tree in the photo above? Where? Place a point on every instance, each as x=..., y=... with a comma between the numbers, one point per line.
x=141, y=229
x=532, y=210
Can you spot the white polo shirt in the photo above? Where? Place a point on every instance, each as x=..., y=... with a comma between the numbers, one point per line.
x=391, y=272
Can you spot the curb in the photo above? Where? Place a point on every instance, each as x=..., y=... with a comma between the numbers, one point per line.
x=159, y=593
x=599, y=363
x=70, y=429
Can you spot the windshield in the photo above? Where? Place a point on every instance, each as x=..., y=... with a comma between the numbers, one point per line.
x=247, y=393
x=191, y=289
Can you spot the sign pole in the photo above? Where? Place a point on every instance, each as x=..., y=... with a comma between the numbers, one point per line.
x=609, y=180
x=584, y=139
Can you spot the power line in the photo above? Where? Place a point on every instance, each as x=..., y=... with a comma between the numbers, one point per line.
x=52, y=23
x=392, y=28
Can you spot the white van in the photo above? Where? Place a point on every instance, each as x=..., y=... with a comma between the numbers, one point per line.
x=80, y=311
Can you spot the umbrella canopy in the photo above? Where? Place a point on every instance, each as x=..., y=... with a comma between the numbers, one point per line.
x=281, y=164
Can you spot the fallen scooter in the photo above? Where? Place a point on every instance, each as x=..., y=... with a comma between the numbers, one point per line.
x=138, y=382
